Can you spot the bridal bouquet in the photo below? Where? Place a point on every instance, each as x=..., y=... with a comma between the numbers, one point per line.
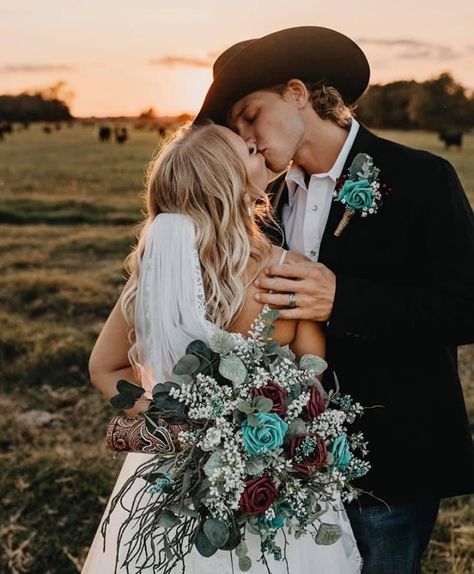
x=264, y=448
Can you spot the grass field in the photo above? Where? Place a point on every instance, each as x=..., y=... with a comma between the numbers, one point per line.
x=67, y=207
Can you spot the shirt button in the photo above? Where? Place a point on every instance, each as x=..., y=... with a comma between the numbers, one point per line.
x=315, y=208
x=312, y=252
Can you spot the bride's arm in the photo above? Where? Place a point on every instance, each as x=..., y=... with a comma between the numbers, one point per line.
x=309, y=339
x=108, y=362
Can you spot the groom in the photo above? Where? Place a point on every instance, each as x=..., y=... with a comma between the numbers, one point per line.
x=395, y=288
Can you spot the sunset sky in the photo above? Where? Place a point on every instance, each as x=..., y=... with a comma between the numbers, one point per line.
x=121, y=56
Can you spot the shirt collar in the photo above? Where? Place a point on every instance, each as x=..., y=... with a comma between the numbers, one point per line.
x=295, y=176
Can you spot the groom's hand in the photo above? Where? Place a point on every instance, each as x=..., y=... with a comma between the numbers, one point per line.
x=313, y=283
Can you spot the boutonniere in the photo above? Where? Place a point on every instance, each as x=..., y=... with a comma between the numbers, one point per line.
x=360, y=190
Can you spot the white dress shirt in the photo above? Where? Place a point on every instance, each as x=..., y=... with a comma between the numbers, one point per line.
x=305, y=216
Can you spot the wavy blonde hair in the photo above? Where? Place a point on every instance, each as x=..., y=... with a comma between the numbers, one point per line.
x=199, y=173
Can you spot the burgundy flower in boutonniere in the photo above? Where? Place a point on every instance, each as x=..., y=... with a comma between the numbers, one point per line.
x=360, y=191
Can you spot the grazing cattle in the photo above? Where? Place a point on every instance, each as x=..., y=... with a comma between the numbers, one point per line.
x=5, y=128
x=451, y=138
x=121, y=135
x=104, y=133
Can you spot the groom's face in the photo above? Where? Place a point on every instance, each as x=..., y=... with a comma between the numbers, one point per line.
x=271, y=122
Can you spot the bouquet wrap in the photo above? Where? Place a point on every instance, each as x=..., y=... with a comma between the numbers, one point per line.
x=131, y=434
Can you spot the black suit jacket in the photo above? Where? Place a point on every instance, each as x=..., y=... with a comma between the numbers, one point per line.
x=404, y=301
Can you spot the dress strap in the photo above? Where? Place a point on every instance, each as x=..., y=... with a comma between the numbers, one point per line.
x=283, y=256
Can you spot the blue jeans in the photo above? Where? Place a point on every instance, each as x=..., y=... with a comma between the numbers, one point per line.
x=393, y=541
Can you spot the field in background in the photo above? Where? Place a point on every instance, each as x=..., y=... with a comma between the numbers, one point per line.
x=68, y=204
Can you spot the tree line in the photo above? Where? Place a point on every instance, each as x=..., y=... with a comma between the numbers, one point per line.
x=439, y=104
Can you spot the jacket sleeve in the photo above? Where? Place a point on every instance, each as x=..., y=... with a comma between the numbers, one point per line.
x=439, y=308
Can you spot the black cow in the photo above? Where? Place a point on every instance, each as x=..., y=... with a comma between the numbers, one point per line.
x=121, y=135
x=451, y=138
x=104, y=133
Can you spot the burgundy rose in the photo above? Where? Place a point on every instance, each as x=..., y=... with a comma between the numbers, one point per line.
x=258, y=495
x=308, y=464
x=273, y=391
x=316, y=404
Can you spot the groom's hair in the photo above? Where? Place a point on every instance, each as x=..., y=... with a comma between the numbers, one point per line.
x=327, y=102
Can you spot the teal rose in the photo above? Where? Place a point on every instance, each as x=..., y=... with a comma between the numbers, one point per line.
x=356, y=194
x=341, y=452
x=268, y=435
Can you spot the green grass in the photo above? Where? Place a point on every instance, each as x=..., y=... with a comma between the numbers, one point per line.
x=68, y=204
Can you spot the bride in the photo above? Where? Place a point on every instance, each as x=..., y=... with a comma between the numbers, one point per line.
x=199, y=250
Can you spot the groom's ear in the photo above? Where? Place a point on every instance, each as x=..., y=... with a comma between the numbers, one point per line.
x=296, y=91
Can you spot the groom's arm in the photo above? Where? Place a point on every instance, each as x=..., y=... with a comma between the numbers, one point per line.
x=443, y=310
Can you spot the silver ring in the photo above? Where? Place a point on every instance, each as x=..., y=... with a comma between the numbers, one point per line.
x=292, y=299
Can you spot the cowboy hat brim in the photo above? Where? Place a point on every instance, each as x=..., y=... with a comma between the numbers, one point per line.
x=309, y=53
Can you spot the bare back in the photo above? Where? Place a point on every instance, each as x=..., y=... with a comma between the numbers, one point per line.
x=303, y=336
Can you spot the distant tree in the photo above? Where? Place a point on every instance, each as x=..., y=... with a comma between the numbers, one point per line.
x=386, y=106
x=40, y=105
x=438, y=104
x=149, y=114
x=442, y=104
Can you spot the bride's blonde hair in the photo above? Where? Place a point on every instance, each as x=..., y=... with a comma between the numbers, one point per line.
x=199, y=173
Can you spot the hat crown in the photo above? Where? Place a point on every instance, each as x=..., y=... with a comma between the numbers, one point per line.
x=227, y=56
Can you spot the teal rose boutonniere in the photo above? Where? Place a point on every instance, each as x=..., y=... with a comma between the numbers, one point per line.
x=341, y=451
x=268, y=435
x=360, y=191
x=357, y=194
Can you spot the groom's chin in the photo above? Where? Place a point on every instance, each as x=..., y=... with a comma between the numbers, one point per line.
x=274, y=165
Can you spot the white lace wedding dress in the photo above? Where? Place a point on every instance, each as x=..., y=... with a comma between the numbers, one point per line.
x=169, y=267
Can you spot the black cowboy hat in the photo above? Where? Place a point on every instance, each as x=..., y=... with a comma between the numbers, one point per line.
x=310, y=53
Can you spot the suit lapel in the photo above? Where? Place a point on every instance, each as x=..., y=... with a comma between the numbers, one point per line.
x=330, y=244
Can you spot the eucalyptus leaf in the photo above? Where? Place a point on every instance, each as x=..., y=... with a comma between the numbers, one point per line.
x=234, y=539
x=238, y=417
x=167, y=547
x=313, y=363
x=253, y=420
x=254, y=465
x=321, y=389
x=245, y=563
x=122, y=401
x=187, y=481
x=124, y=386
x=187, y=365
x=217, y=531
x=242, y=549
x=163, y=388
x=245, y=407
x=168, y=519
x=263, y=404
x=241, y=518
x=357, y=164
x=253, y=528
x=328, y=534
x=271, y=315
x=201, y=493
x=199, y=349
x=232, y=368
x=272, y=347
x=213, y=463
x=181, y=380
x=203, y=545
x=222, y=342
